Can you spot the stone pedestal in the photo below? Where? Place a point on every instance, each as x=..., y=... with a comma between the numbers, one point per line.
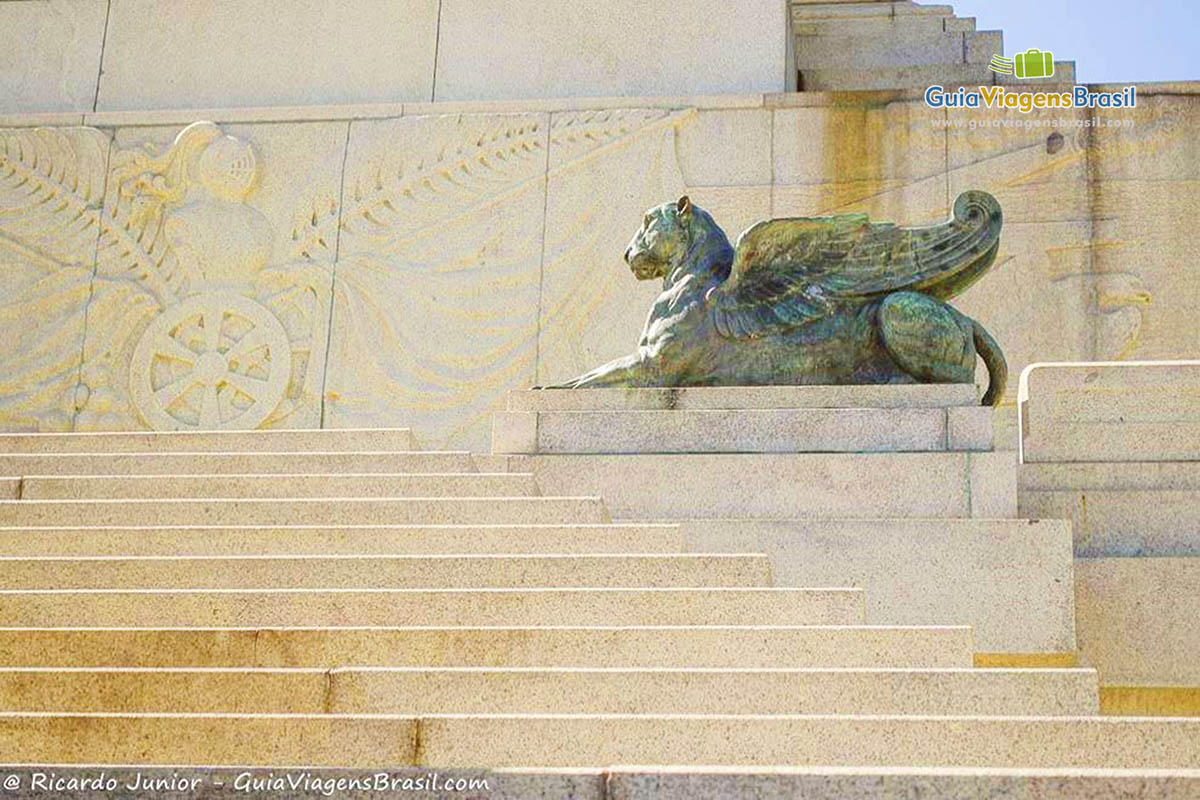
x=895, y=489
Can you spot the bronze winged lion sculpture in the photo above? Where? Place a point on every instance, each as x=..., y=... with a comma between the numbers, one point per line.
x=828, y=300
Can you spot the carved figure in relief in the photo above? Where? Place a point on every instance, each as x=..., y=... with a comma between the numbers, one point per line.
x=834, y=300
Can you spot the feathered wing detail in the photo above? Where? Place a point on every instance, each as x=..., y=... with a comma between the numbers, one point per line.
x=51, y=187
x=790, y=272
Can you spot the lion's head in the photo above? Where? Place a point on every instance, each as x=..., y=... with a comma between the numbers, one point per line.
x=661, y=242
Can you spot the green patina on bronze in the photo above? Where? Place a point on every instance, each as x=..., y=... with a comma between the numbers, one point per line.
x=804, y=301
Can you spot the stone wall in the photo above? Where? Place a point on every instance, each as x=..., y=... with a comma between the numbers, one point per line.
x=407, y=264
x=114, y=55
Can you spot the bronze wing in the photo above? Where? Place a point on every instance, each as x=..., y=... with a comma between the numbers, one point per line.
x=789, y=272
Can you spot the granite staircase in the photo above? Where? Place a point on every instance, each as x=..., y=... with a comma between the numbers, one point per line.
x=339, y=598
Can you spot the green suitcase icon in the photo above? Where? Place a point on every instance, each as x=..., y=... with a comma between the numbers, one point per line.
x=1035, y=64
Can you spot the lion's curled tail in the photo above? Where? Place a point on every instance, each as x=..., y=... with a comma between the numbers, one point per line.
x=997, y=367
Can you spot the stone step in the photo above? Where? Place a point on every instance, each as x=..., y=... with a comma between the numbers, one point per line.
x=103, y=487
x=250, y=463
x=1122, y=523
x=784, y=486
x=548, y=741
x=270, y=441
x=1111, y=476
x=920, y=76
x=1011, y=580
x=701, y=398
x=894, y=50
x=423, y=690
x=385, y=572
x=629, y=647
x=793, y=430
x=436, y=607
x=345, y=540
x=353, y=511
x=1139, y=620
x=860, y=783
x=881, y=26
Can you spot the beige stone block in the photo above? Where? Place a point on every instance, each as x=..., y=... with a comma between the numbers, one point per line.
x=726, y=431
x=1137, y=619
x=592, y=309
x=969, y=428
x=52, y=55
x=435, y=302
x=245, y=463
x=858, y=142
x=916, y=77
x=514, y=432
x=211, y=300
x=786, y=486
x=337, y=485
x=1134, y=412
x=552, y=741
x=993, y=479
x=275, y=441
x=981, y=692
x=727, y=148
x=559, y=691
x=374, y=571
x=490, y=49
x=980, y=46
x=963, y=784
x=267, y=53
x=1010, y=580
x=1158, y=147
x=340, y=540
x=895, y=48
x=52, y=188
x=745, y=397
x=10, y=488
x=292, y=511
x=1112, y=476
x=432, y=607
x=696, y=647
x=1122, y=522
x=224, y=739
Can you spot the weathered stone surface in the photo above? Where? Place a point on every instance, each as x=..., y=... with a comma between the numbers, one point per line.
x=49, y=179
x=371, y=461
x=168, y=540
x=490, y=49
x=1010, y=580
x=881, y=783
x=697, y=647
x=439, y=608
x=785, y=486
x=806, y=430
x=835, y=741
x=558, y=691
x=268, y=53
x=352, y=511
x=1138, y=619
x=52, y=55
x=335, y=485
x=440, y=233
x=1122, y=522
x=284, y=441
x=387, y=572
x=1135, y=412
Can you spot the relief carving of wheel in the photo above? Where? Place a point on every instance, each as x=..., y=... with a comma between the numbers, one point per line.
x=215, y=361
